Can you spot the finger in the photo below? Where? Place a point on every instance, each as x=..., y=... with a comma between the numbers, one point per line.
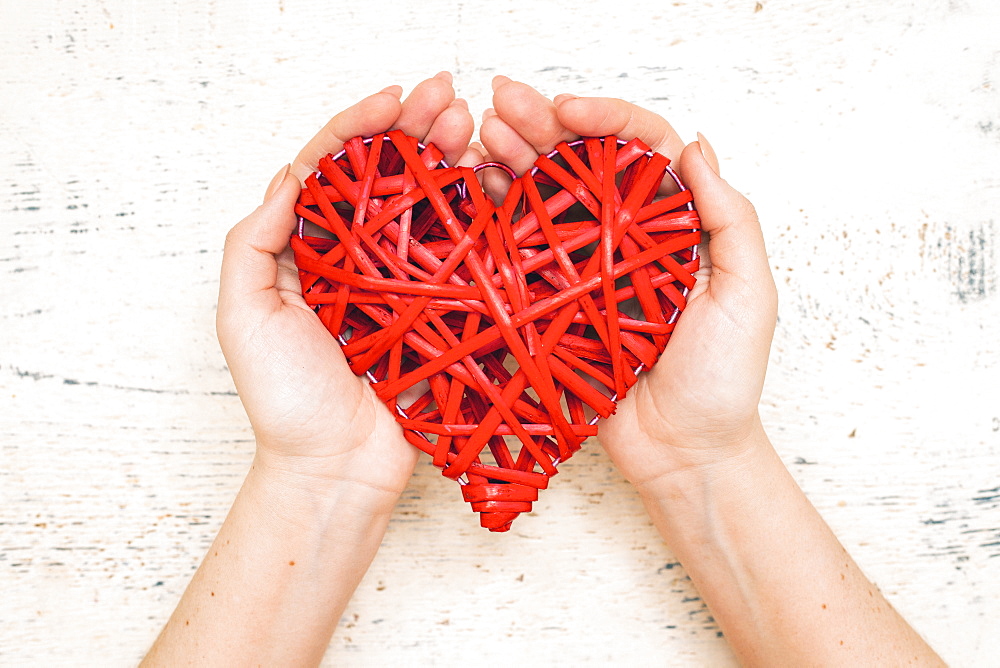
x=452, y=130
x=287, y=282
x=600, y=116
x=736, y=242
x=505, y=145
x=709, y=153
x=495, y=182
x=474, y=155
x=376, y=113
x=249, y=266
x=276, y=182
x=424, y=104
x=530, y=114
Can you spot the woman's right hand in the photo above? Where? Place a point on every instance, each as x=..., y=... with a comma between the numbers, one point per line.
x=315, y=421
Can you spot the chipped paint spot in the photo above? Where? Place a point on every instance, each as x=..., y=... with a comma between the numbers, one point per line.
x=971, y=261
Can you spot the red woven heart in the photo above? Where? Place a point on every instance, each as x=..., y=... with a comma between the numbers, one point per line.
x=505, y=322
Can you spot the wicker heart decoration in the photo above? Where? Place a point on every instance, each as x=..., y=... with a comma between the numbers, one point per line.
x=496, y=332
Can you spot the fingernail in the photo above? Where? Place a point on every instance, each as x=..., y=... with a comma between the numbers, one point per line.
x=459, y=102
x=499, y=80
x=276, y=182
x=563, y=97
x=444, y=75
x=709, y=153
x=393, y=90
x=489, y=111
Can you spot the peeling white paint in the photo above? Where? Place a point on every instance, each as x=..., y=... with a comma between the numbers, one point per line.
x=133, y=136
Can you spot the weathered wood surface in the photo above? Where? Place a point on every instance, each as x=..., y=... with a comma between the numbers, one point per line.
x=133, y=136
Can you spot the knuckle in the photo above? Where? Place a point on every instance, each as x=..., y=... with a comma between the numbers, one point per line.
x=745, y=208
x=233, y=238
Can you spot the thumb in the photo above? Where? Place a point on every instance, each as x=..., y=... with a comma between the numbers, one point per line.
x=736, y=243
x=249, y=266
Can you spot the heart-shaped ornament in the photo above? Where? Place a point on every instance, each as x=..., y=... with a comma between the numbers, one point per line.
x=498, y=335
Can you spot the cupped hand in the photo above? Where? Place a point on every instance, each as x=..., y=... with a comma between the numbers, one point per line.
x=698, y=405
x=312, y=417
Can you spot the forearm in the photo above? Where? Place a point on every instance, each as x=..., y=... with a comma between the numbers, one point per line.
x=278, y=576
x=782, y=588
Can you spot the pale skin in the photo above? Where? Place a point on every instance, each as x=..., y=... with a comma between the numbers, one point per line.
x=312, y=511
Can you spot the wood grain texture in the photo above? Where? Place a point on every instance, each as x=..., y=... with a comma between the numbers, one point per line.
x=132, y=137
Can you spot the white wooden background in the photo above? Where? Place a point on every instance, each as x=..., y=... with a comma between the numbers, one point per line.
x=132, y=136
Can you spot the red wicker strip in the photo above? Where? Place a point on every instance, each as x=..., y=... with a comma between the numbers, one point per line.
x=498, y=334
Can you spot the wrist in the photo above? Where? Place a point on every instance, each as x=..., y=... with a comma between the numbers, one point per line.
x=703, y=506
x=703, y=464
x=368, y=471
x=296, y=490
x=659, y=456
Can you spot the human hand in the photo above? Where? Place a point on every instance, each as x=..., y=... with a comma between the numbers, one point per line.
x=698, y=405
x=312, y=417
